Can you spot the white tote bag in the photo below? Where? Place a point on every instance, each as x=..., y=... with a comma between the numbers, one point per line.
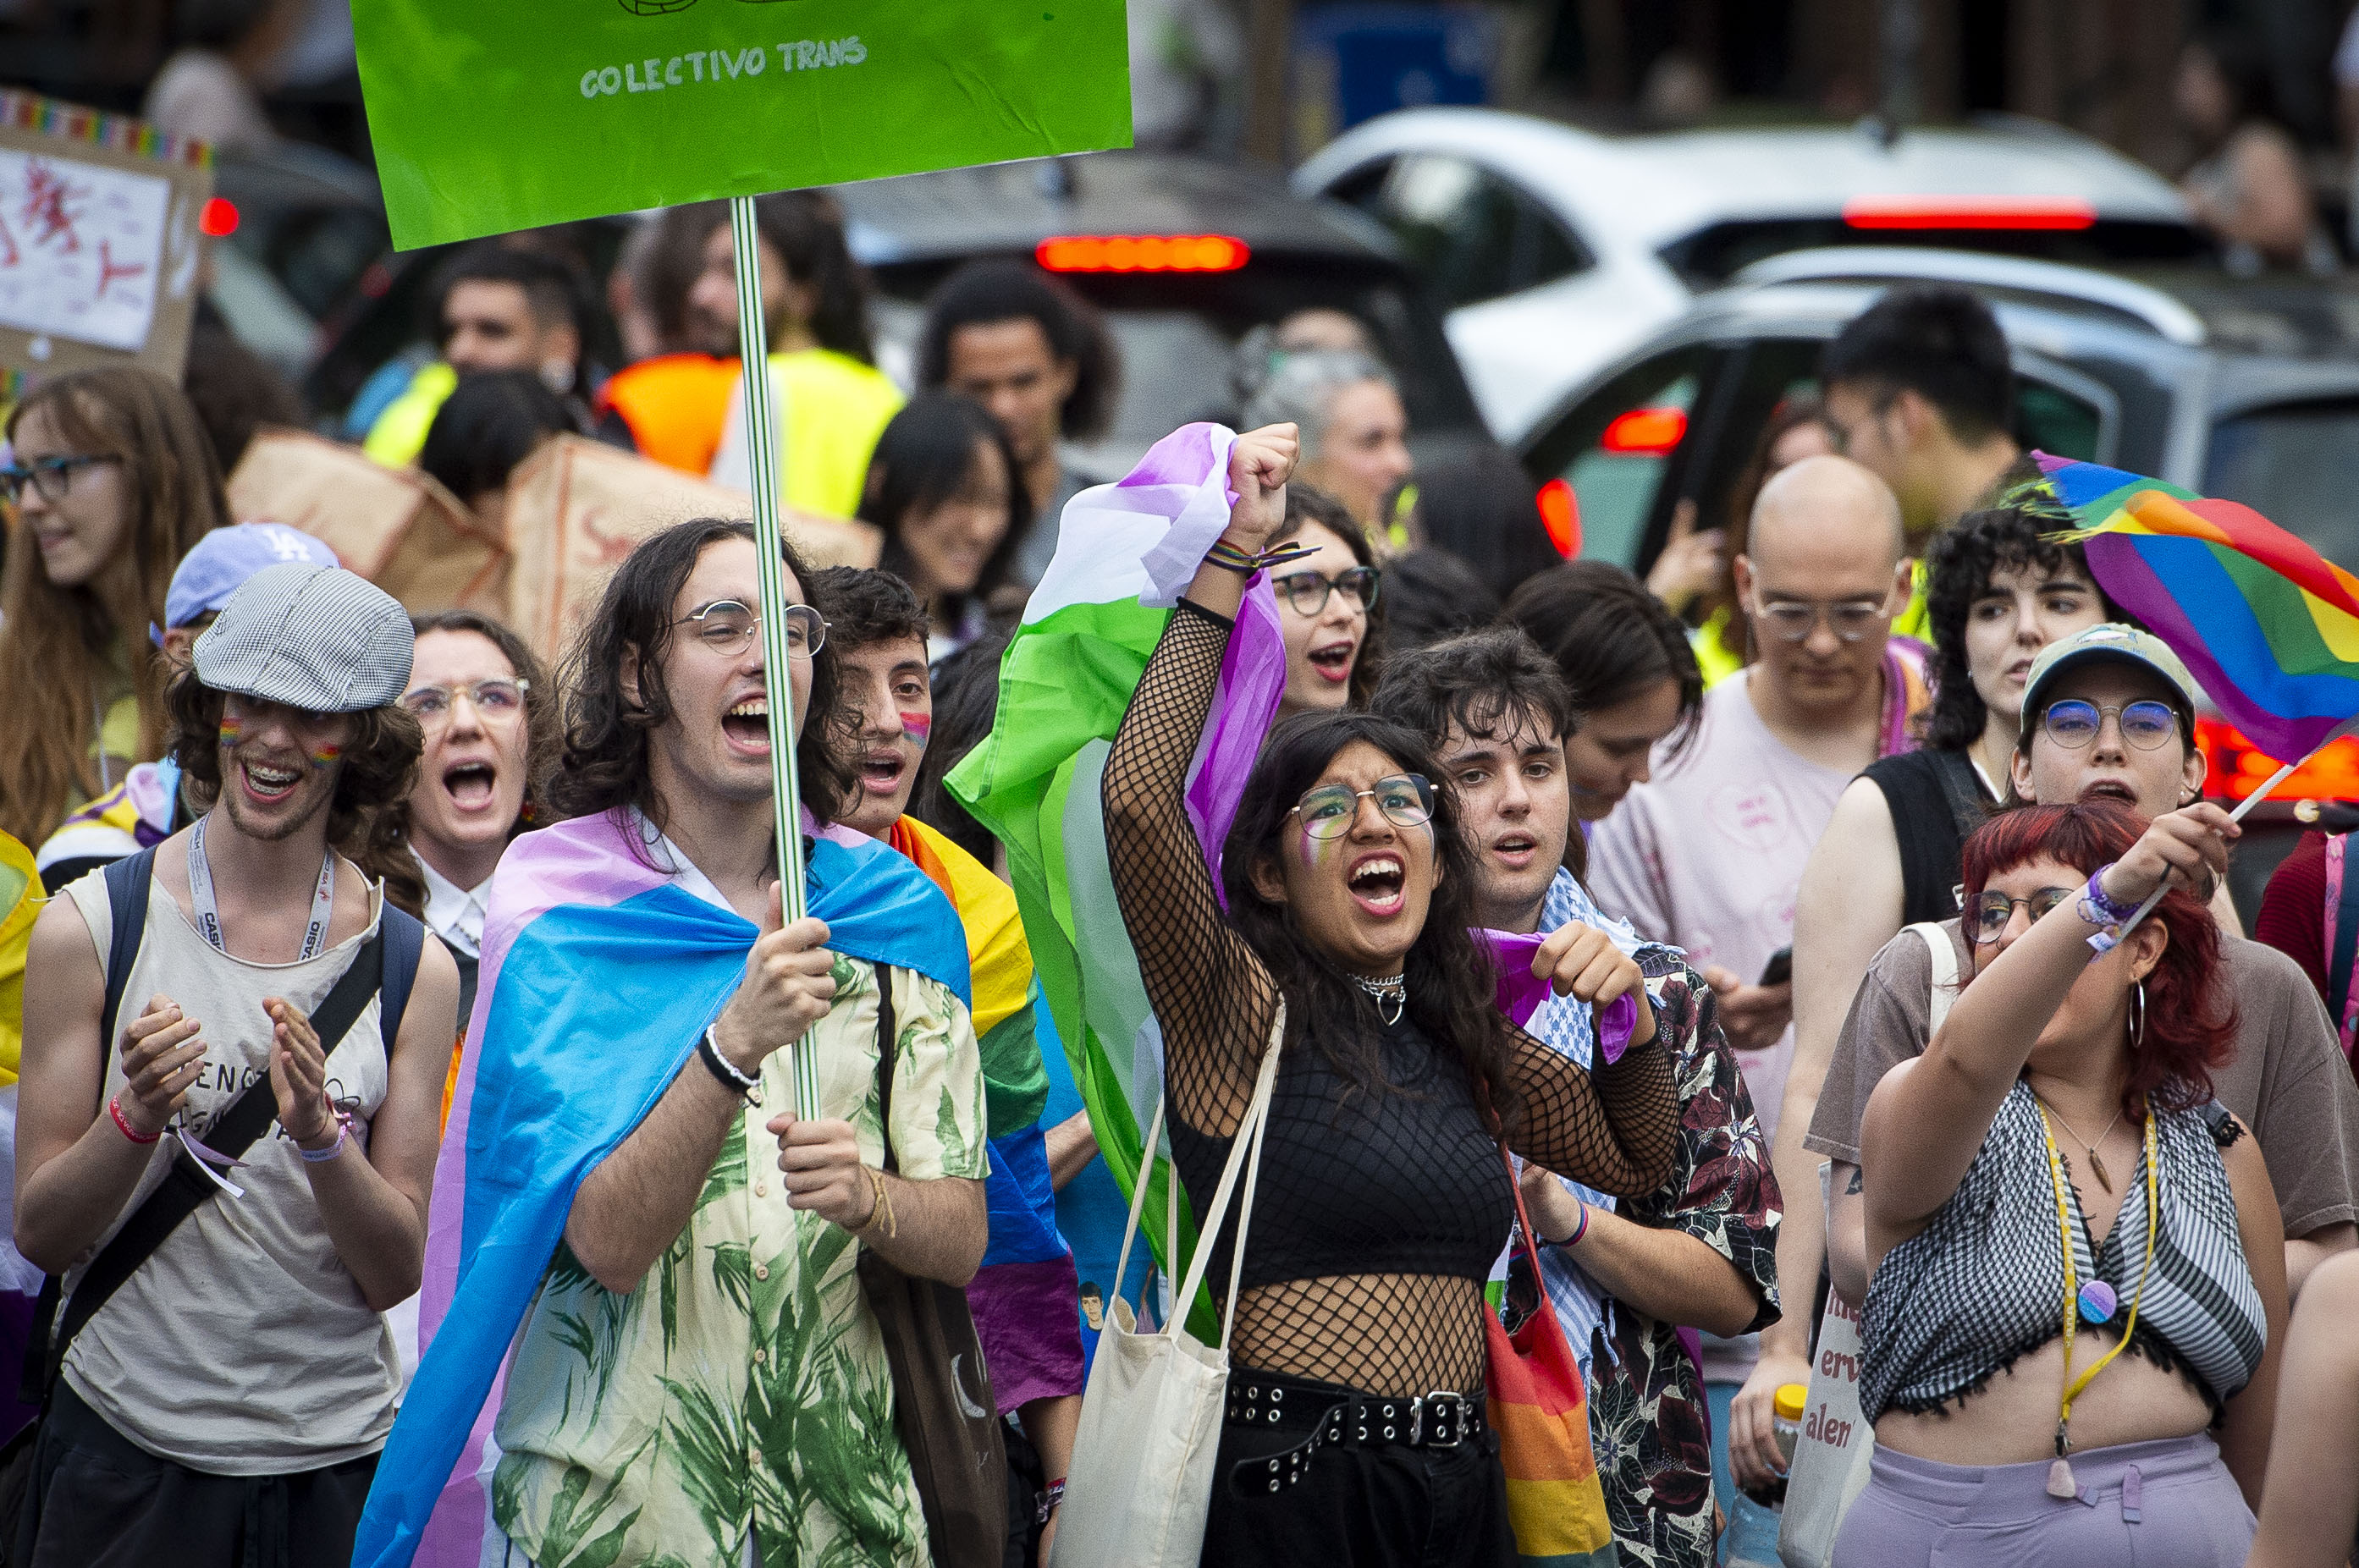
x=1831, y=1457
x=1141, y=1482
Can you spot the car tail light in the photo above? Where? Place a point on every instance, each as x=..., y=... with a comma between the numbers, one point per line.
x=2234, y=770
x=1646, y=432
x=219, y=218
x=1968, y=212
x=1143, y=252
x=1560, y=514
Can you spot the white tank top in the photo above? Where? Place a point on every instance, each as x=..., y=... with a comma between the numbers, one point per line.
x=243, y=1347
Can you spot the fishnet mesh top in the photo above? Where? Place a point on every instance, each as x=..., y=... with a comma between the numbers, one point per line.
x=1408, y=1186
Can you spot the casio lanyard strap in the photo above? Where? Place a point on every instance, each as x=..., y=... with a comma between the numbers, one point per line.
x=2060, y=1482
x=208, y=921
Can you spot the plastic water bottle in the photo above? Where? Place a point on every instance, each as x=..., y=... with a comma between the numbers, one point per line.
x=1786, y=1424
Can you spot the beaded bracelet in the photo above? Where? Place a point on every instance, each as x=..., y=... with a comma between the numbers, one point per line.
x=731, y=1075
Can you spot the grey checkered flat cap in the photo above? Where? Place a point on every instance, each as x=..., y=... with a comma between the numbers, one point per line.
x=318, y=638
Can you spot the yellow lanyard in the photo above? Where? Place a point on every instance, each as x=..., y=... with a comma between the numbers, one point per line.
x=2072, y=1386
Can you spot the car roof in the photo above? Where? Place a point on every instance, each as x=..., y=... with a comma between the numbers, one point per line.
x=1659, y=187
x=2265, y=340
x=1014, y=206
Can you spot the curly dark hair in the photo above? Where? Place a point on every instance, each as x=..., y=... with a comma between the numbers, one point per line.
x=865, y=605
x=1452, y=983
x=1957, y=571
x=1308, y=503
x=604, y=765
x=1488, y=684
x=994, y=290
x=367, y=816
x=541, y=700
x=2190, y=1003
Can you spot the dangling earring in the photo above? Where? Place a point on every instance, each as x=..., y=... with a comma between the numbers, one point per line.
x=2137, y=1015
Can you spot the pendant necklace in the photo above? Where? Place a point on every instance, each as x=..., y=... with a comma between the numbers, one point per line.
x=2096, y=1165
x=1390, y=995
x=2096, y=1301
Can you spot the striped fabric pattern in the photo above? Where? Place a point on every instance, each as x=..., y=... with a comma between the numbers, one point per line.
x=1983, y=1282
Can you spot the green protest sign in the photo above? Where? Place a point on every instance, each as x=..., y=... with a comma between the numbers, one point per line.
x=496, y=114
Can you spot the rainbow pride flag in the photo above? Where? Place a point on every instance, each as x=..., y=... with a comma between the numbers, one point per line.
x=1025, y=1295
x=2266, y=624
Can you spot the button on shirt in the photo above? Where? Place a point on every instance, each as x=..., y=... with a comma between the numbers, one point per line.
x=744, y=1385
x=456, y=913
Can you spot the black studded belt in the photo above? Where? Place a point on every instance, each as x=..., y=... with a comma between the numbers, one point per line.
x=1439, y=1420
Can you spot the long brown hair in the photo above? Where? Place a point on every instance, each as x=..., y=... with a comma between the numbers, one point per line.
x=57, y=642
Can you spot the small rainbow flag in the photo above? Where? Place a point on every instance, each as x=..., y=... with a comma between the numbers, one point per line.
x=2266, y=624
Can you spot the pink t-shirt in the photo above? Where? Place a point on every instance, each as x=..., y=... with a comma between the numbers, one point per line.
x=1708, y=855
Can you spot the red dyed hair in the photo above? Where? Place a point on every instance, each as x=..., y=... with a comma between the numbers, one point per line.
x=2190, y=1009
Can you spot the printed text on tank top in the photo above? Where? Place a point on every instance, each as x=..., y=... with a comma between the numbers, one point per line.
x=208, y=908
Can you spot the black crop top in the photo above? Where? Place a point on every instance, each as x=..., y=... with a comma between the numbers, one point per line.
x=1404, y=1183
x=1392, y=1314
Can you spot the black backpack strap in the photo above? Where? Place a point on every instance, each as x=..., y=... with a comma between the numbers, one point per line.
x=127, y=881
x=185, y=1187
x=405, y=945
x=1962, y=788
x=887, y=1032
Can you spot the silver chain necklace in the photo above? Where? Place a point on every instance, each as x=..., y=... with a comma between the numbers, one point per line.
x=1393, y=989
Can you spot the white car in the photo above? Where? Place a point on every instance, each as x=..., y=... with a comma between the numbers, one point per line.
x=1555, y=250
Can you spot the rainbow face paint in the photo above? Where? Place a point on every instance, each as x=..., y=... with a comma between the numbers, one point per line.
x=1316, y=852
x=233, y=729
x=326, y=756
x=916, y=728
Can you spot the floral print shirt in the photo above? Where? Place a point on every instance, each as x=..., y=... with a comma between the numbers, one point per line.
x=744, y=1385
x=1648, y=1420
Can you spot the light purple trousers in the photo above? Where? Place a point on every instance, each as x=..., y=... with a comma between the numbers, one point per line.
x=2168, y=1504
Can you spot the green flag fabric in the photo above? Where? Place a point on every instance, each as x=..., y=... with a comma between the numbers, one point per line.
x=489, y=117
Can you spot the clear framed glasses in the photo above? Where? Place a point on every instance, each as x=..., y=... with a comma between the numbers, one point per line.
x=1793, y=620
x=52, y=477
x=1308, y=591
x=1406, y=799
x=729, y=628
x=1994, y=910
x=497, y=697
x=2075, y=725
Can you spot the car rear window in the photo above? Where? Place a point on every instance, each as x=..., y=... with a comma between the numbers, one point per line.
x=2298, y=465
x=1713, y=255
x=1178, y=333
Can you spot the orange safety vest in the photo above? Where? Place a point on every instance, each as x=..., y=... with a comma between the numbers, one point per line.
x=674, y=405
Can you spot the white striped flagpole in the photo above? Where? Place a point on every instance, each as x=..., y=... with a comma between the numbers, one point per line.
x=762, y=447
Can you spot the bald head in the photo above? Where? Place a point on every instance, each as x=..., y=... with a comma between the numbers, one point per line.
x=1825, y=509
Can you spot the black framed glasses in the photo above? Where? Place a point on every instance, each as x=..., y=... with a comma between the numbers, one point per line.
x=1406, y=799
x=729, y=628
x=52, y=477
x=1308, y=591
x=497, y=697
x=1793, y=620
x=2075, y=725
x=1994, y=910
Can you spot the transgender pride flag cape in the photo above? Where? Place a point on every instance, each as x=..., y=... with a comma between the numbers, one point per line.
x=598, y=979
x=1124, y=551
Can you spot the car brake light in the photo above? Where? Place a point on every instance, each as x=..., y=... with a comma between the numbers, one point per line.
x=1143, y=252
x=1968, y=212
x=2235, y=770
x=219, y=218
x=1560, y=514
x=1646, y=432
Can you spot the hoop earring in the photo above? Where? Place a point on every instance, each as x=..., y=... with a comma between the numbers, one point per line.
x=2137, y=1017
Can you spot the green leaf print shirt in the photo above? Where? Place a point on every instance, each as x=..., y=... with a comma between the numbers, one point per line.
x=744, y=1383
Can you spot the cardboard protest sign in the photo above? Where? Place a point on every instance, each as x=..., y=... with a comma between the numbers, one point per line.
x=576, y=507
x=397, y=527
x=487, y=118
x=99, y=239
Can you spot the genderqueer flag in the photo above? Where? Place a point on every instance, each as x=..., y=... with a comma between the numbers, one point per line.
x=1123, y=552
x=488, y=117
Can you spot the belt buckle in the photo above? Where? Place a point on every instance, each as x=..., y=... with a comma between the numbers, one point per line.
x=1457, y=1424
